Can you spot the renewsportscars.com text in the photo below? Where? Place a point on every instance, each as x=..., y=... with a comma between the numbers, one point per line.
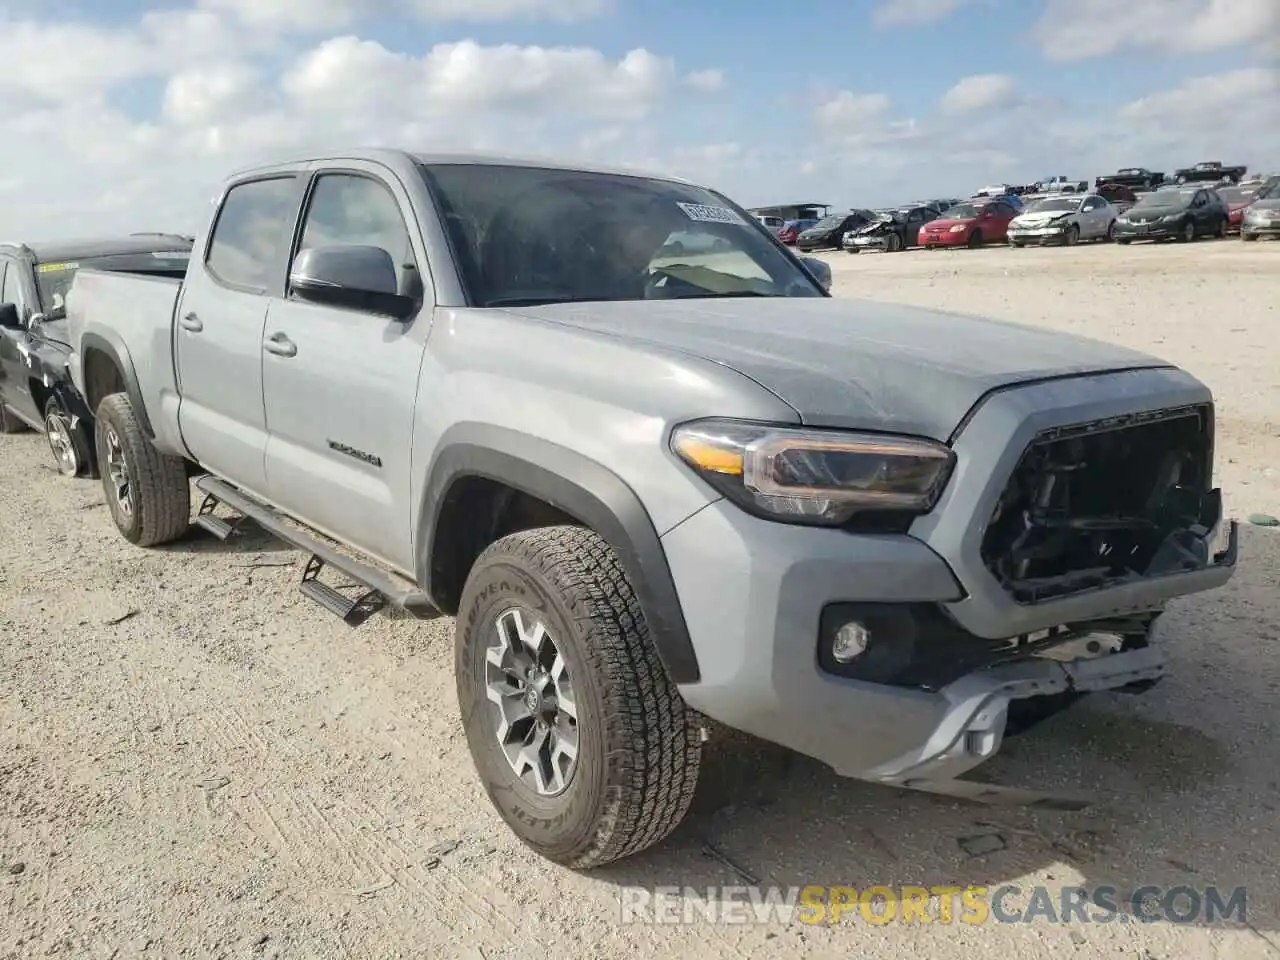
x=971, y=905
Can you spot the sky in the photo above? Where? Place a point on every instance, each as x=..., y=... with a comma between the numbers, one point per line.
x=124, y=115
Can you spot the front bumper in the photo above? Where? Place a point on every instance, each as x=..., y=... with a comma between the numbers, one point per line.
x=947, y=239
x=1147, y=231
x=754, y=594
x=1037, y=234
x=873, y=242
x=1256, y=228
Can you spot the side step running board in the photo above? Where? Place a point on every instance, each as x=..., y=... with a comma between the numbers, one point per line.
x=381, y=588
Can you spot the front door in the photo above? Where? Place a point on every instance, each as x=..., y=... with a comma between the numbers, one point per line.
x=15, y=378
x=340, y=384
x=221, y=313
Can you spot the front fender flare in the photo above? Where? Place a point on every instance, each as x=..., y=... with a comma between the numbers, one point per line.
x=580, y=487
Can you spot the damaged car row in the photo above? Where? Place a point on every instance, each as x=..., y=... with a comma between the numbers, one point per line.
x=656, y=472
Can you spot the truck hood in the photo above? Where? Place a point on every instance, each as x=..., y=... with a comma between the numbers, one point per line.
x=853, y=363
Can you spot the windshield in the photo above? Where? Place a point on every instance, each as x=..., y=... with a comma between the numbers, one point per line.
x=1054, y=204
x=529, y=235
x=963, y=211
x=1164, y=200
x=1130, y=171
x=53, y=279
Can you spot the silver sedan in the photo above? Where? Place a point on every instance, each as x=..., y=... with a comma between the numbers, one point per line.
x=1064, y=219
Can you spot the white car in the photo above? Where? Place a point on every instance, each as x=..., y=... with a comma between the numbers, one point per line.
x=1065, y=219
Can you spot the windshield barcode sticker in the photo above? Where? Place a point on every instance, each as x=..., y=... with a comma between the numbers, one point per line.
x=708, y=214
x=170, y=254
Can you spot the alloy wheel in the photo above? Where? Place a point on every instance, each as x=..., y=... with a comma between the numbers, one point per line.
x=118, y=471
x=64, y=449
x=530, y=689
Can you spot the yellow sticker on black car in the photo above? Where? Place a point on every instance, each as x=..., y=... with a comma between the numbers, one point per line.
x=55, y=267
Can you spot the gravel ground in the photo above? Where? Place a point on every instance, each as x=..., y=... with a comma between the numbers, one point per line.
x=196, y=761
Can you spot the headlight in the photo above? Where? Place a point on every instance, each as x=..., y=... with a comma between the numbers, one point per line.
x=1172, y=217
x=813, y=476
x=959, y=228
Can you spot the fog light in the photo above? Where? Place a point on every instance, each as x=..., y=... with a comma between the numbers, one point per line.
x=850, y=641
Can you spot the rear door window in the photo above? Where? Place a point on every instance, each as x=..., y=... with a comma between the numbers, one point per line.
x=251, y=237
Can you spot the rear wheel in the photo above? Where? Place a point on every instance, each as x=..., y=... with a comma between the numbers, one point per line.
x=9, y=423
x=1222, y=229
x=1111, y=232
x=580, y=739
x=69, y=441
x=147, y=491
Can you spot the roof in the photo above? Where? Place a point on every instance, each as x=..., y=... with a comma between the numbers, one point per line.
x=52, y=250
x=395, y=155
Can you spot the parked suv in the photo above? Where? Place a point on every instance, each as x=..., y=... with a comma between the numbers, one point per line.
x=652, y=487
x=35, y=389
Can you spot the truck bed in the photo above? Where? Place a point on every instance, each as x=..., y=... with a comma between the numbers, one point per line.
x=133, y=309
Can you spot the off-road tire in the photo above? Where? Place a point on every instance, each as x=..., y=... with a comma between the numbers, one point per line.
x=639, y=746
x=158, y=489
x=10, y=423
x=81, y=438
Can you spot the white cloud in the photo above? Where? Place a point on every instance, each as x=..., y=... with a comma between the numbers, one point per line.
x=707, y=80
x=847, y=111
x=983, y=91
x=1079, y=29
x=910, y=13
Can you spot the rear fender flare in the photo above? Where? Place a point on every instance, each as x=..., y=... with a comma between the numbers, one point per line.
x=113, y=347
x=580, y=487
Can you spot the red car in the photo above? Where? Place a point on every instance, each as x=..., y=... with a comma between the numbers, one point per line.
x=792, y=229
x=968, y=224
x=1236, y=199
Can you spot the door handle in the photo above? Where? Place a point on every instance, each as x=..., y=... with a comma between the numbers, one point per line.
x=280, y=345
x=191, y=322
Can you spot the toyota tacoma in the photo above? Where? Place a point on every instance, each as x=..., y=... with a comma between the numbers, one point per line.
x=654, y=487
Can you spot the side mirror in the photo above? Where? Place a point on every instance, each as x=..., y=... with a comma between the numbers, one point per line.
x=820, y=270
x=9, y=318
x=350, y=276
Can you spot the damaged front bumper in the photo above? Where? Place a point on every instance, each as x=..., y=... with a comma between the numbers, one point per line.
x=972, y=728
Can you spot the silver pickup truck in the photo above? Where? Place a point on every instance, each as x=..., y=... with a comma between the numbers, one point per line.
x=656, y=472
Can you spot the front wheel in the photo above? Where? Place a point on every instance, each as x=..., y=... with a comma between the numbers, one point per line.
x=893, y=244
x=68, y=440
x=1111, y=232
x=1073, y=235
x=582, y=742
x=975, y=240
x=1188, y=232
x=147, y=491
x=1248, y=237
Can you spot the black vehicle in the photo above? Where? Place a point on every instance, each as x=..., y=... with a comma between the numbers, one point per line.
x=1178, y=214
x=1135, y=178
x=1211, y=171
x=35, y=388
x=894, y=228
x=830, y=230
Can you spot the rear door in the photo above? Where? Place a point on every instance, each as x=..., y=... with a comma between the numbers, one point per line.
x=219, y=326
x=341, y=384
x=997, y=228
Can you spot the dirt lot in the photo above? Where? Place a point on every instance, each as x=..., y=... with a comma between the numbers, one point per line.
x=196, y=761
